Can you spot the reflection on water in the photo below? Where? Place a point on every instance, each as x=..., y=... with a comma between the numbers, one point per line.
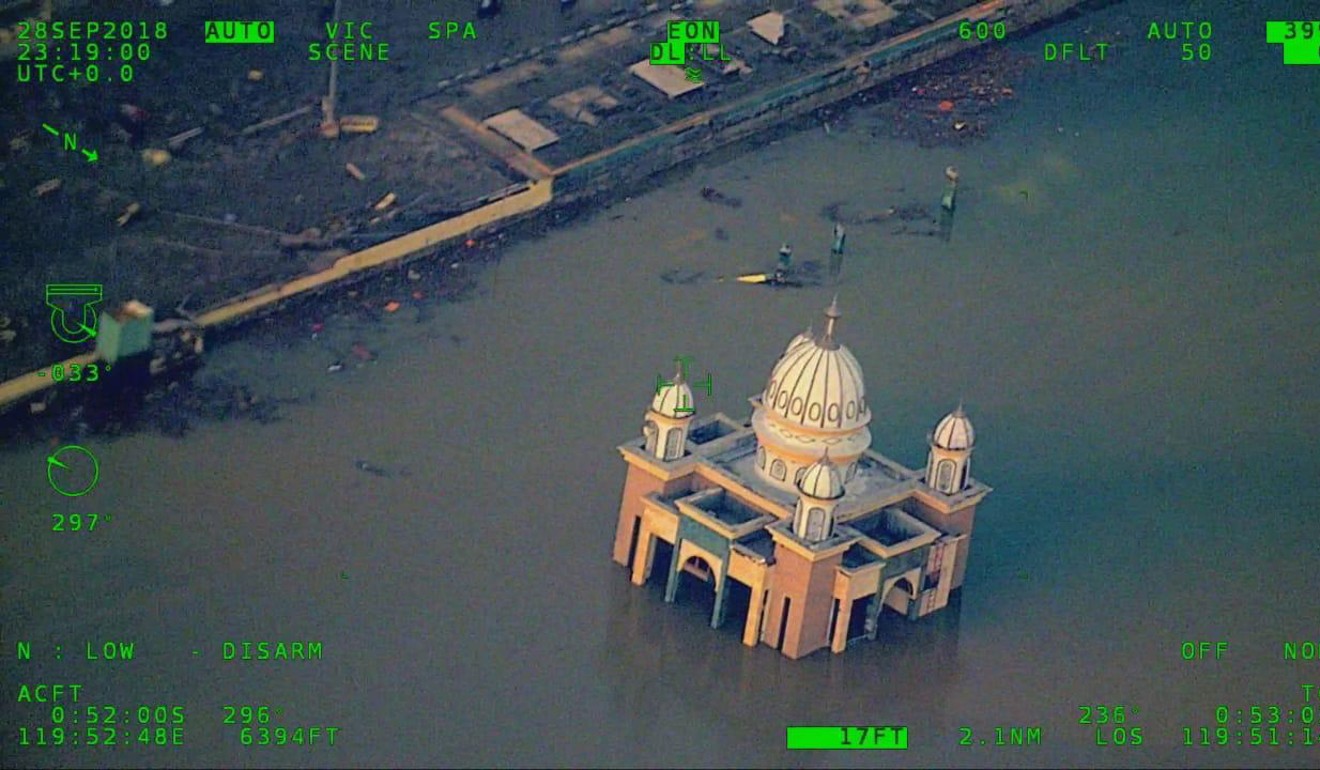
x=1134, y=339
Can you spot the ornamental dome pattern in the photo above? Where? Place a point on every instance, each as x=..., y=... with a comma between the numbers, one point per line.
x=821, y=480
x=818, y=384
x=954, y=432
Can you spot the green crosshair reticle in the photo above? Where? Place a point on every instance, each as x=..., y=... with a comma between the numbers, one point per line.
x=661, y=383
x=59, y=296
x=72, y=470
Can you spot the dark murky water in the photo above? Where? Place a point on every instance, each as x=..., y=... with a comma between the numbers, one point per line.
x=1134, y=338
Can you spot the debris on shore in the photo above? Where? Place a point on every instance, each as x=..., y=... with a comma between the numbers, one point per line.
x=846, y=213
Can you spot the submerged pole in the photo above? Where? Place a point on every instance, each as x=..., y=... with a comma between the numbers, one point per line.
x=785, y=263
x=836, y=251
x=951, y=189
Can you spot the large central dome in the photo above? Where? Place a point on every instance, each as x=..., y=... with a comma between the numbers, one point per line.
x=818, y=383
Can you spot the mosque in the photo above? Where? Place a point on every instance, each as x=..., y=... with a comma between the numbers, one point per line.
x=793, y=516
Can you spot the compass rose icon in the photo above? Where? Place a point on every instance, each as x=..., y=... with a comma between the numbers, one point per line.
x=72, y=470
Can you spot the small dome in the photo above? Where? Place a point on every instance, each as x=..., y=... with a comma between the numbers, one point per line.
x=954, y=431
x=674, y=399
x=821, y=480
x=817, y=383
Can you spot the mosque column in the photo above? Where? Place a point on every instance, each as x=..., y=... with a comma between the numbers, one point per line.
x=721, y=580
x=755, y=612
x=841, y=626
x=873, y=610
x=671, y=585
x=645, y=552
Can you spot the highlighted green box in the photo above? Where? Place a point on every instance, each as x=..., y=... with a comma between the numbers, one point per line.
x=240, y=32
x=844, y=738
x=1300, y=40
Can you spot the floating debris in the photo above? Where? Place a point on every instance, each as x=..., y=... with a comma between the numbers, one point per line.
x=374, y=470
x=715, y=196
x=681, y=276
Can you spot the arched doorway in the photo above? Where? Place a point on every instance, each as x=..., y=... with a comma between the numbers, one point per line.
x=900, y=594
x=699, y=568
x=696, y=586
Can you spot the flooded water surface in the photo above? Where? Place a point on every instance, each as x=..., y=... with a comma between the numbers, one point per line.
x=1126, y=306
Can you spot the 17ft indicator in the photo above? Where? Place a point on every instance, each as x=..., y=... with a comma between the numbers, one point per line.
x=839, y=738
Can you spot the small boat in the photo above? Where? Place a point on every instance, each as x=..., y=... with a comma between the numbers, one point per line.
x=769, y=279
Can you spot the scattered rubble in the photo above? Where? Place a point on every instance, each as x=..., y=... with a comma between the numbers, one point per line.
x=952, y=102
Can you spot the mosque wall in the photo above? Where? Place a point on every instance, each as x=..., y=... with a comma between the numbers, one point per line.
x=637, y=484
x=809, y=585
x=959, y=523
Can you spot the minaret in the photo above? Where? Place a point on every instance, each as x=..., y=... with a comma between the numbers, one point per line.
x=819, y=492
x=832, y=316
x=668, y=419
x=950, y=462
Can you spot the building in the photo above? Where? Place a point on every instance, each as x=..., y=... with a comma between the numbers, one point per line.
x=792, y=515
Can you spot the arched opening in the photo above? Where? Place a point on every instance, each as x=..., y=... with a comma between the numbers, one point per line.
x=699, y=568
x=778, y=470
x=760, y=458
x=857, y=619
x=816, y=525
x=900, y=594
x=674, y=444
x=797, y=477
x=696, y=588
x=944, y=476
x=651, y=432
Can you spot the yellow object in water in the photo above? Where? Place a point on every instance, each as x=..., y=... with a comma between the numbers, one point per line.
x=754, y=278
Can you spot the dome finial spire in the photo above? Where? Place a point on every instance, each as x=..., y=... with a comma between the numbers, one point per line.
x=832, y=316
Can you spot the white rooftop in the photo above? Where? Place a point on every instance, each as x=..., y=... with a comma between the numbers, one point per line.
x=668, y=78
x=768, y=26
x=526, y=132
